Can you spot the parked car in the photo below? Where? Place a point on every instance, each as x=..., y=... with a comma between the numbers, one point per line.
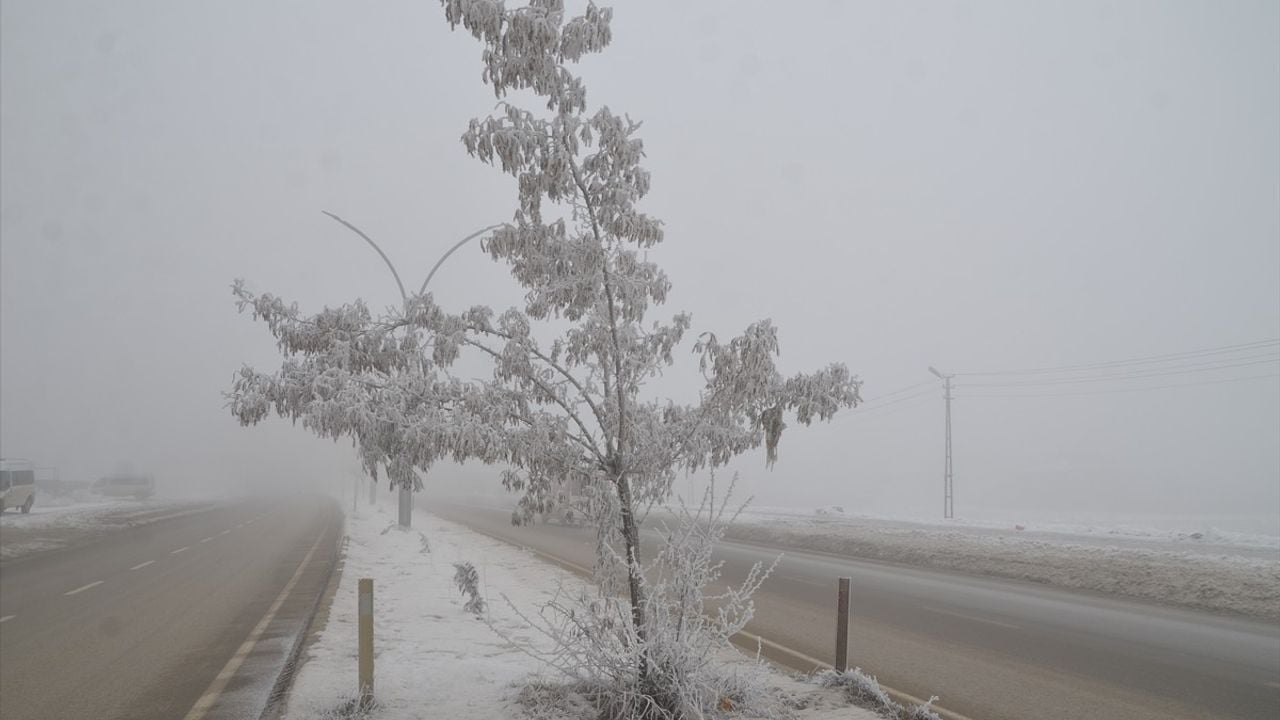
x=137, y=486
x=17, y=485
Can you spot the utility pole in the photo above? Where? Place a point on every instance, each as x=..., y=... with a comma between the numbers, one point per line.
x=948, y=481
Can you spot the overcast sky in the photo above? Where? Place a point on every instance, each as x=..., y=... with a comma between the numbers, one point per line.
x=974, y=186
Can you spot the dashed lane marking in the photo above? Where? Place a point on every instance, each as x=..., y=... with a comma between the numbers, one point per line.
x=207, y=539
x=181, y=549
x=82, y=588
x=139, y=566
x=7, y=618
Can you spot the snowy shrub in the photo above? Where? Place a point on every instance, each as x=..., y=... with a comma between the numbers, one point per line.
x=468, y=582
x=353, y=708
x=555, y=701
x=425, y=543
x=863, y=690
x=688, y=628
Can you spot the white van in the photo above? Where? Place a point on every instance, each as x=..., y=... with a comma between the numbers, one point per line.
x=136, y=486
x=17, y=485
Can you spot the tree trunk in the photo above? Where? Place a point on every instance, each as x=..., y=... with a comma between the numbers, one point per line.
x=631, y=538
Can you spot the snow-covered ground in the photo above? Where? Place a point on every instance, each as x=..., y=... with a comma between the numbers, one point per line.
x=1180, y=532
x=1232, y=573
x=433, y=659
x=55, y=522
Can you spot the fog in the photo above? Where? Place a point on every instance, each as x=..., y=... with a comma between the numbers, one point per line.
x=973, y=186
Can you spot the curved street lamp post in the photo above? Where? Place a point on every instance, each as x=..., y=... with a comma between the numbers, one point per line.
x=406, y=494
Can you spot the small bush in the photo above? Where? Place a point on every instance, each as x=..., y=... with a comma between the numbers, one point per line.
x=351, y=709
x=863, y=690
x=468, y=582
x=595, y=644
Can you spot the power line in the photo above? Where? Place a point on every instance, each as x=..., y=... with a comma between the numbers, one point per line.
x=1119, y=390
x=1150, y=359
x=913, y=396
x=864, y=410
x=875, y=413
x=896, y=392
x=1112, y=377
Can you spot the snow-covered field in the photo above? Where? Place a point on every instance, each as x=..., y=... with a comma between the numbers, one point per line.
x=55, y=522
x=1206, y=569
x=433, y=659
x=1176, y=532
x=1224, y=572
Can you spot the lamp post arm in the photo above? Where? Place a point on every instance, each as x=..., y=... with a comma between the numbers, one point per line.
x=404, y=297
x=444, y=257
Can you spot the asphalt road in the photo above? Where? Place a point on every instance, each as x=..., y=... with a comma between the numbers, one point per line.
x=182, y=618
x=989, y=648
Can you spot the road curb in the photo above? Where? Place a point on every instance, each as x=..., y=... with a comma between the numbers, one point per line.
x=274, y=708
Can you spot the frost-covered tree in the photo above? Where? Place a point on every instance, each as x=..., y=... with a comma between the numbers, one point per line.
x=566, y=403
x=575, y=407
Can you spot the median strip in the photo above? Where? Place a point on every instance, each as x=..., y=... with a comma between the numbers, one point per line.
x=82, y=588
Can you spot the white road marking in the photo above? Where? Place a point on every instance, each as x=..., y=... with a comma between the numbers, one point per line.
x=139, y=566
x=972, y=618
x=181, y=549
x=207, y=539
x=219, y=683
x=249, y=522
x=224, y=532
x=7, y=618
x=240, y=525
x=1268, y=684
x=82, y=588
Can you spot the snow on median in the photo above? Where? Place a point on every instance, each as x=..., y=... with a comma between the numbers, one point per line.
x=432, y=658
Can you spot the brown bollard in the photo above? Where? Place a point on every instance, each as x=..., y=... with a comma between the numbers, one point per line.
x=366, y=641
x=842, y=626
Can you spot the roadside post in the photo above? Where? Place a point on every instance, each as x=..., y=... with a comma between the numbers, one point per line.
x=842, y=626
x=366, y=640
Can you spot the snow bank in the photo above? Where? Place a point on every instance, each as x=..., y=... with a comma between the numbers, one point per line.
x=49, y=527
x=435, y=659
